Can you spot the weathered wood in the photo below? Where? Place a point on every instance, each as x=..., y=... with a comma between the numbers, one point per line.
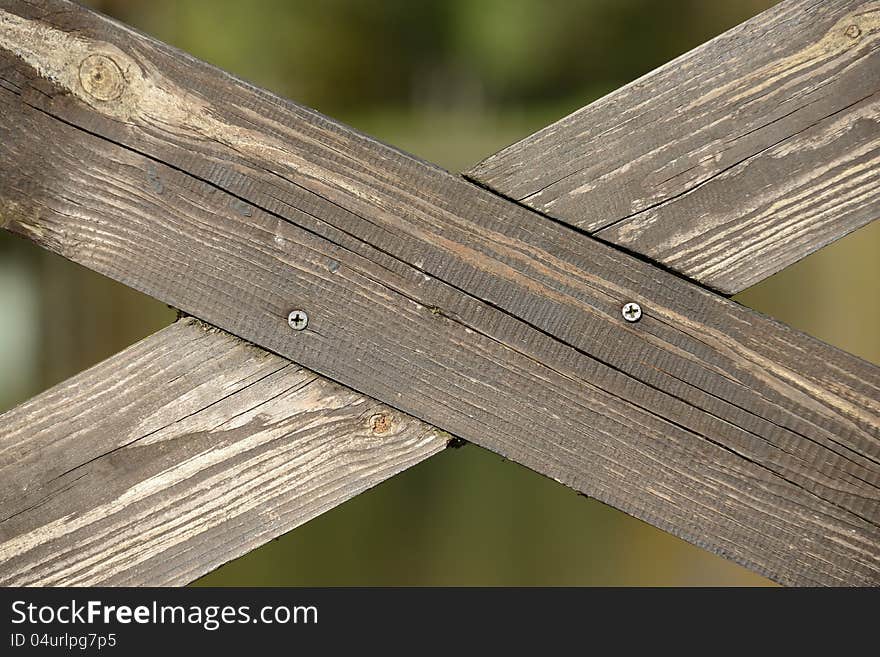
x=729, y=163
x=439, y=298
x=180, y=453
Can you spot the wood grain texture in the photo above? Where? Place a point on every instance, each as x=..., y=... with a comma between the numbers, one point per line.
x=180, y=453
x=730, y=162
x=439, y=298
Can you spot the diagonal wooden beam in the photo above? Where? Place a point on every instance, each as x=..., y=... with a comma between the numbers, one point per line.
x=730, y=162
x=180, y=453
x=442, y=299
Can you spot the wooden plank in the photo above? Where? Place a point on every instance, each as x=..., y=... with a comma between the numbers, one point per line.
x=180, y=453
x=729, y=163
x=440, y=299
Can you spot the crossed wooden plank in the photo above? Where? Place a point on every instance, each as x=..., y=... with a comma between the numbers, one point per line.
x=446, y=301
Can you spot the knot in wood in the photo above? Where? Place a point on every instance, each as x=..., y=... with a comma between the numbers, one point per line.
x=380, y=423
x=101, y=77
x=853, y=32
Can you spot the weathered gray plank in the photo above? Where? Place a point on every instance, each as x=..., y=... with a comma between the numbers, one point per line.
x=729, y=163
x=180, y=453
x=439, y=298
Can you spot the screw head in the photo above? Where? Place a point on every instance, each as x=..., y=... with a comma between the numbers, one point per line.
x=631, y=311
x=298, y=320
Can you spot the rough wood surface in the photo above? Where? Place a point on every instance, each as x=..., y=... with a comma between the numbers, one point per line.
x=439, y=298
x=729, y=163
x=182, y=452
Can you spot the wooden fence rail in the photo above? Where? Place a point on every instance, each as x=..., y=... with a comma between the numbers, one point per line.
x=182, y=452
x=451, y=303
x=729, y=163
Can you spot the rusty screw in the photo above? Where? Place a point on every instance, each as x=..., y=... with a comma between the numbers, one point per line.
x=631, y=311
x=298, y=320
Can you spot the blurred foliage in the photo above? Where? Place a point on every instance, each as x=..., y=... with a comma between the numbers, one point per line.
x=345, y=55
x=451, y=81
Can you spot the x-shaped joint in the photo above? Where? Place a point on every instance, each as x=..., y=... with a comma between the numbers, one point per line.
x=506, y=322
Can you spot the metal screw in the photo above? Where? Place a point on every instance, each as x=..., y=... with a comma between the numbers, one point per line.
x=298, y=320
x=631, y=311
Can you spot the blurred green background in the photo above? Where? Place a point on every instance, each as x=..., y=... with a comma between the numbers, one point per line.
x=451, y=81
